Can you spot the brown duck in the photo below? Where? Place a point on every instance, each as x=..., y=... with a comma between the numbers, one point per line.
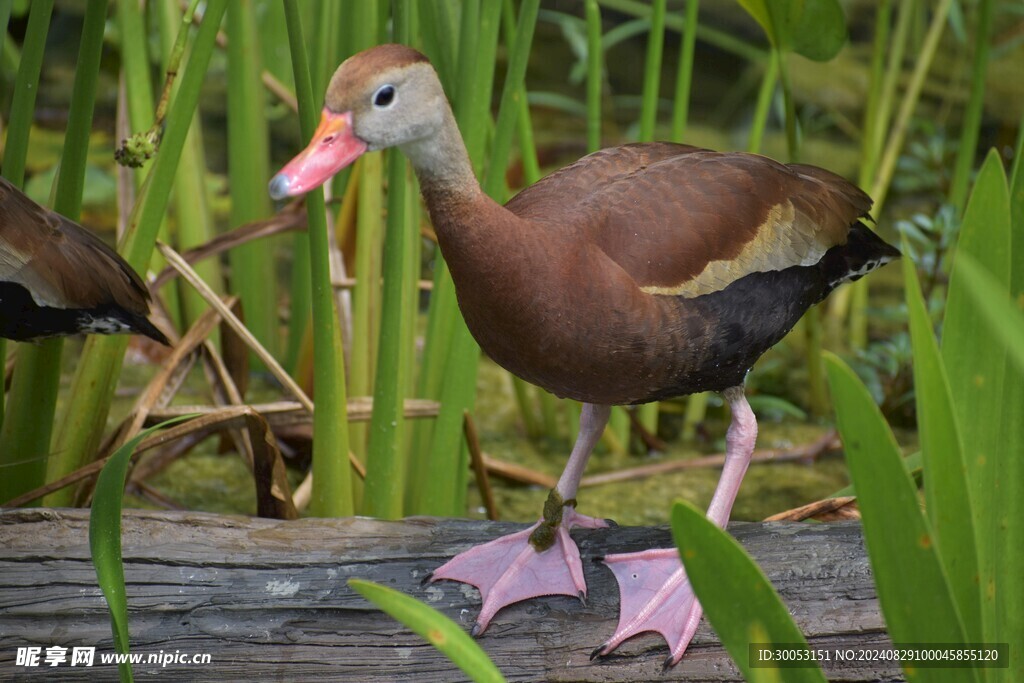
x=57, y=278
x=637, y=273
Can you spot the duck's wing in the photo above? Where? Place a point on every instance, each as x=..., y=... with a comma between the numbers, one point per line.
x=572, y=187
x=693, y=222
x=59, y=262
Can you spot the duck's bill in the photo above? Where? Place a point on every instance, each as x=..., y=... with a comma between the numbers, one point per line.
x=332, y=148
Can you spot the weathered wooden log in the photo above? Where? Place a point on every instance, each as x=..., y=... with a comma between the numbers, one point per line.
x=268, y=600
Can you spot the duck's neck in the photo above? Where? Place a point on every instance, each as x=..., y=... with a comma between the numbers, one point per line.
x=443, y=167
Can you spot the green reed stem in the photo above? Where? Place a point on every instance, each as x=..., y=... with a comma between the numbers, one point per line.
x=874, y=119
x=194, y=219
x=721, y=39
x=252, y=264
x=366, y=292
x=890, y=84
x=619, y=427
x=442, y=316
x=684, y=76
x=139, y=103
x=33, y=400
x=135, y=62
x=850, y=302
x=652, y=72
x=898, y=131
x=764, y=103
x=22, y=474
x=365, y=25
x=92, y=386
x=508, y=110
x=975, y=103
x=26, y=85
x=524, y=396
x=817, y=388
x=696, y=411
x=332, y=478
x=437, y=24
x=595, y=75
x=792, y=132
x=327, y=23
x=385, y=464
x=329, y=18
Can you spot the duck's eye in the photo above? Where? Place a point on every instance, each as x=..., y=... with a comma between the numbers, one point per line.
x=384, y=96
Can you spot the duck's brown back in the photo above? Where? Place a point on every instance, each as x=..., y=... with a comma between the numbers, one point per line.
x=690, y=221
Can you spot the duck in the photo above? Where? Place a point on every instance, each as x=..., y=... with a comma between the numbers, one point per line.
x=59, y=279
x=638, y=273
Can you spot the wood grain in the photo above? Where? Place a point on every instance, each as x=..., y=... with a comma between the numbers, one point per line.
x=268, y=600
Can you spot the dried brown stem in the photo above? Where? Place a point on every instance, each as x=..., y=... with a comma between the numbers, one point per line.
x=476, y=457
x=827, y=510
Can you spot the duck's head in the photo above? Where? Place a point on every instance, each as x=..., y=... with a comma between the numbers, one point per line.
x=386, y=96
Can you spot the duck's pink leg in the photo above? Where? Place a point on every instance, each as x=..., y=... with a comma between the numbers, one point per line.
x=541, y=560
x=655, y=594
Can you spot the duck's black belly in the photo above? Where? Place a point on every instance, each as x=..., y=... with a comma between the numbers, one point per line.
x=744, y=320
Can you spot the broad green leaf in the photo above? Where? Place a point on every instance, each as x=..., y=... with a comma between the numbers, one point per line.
x=815, y=29
x=913, y=589
x=1004, y=321
x=742, y=610
x=1009, y=617
x=945, y=475
x=976, y=363
x=105, y=538
x=820, y=32
x=762, y=674
x=912, y=462
x=434, y=627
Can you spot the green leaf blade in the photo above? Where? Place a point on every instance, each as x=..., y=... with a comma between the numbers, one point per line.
x=947, y=496
x=105, y=538
x=820, y=32
x=437, y=629
x=922, y=610
x=746, y=609
x=976, y=364
x=1004, y=321
x=815, y=29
